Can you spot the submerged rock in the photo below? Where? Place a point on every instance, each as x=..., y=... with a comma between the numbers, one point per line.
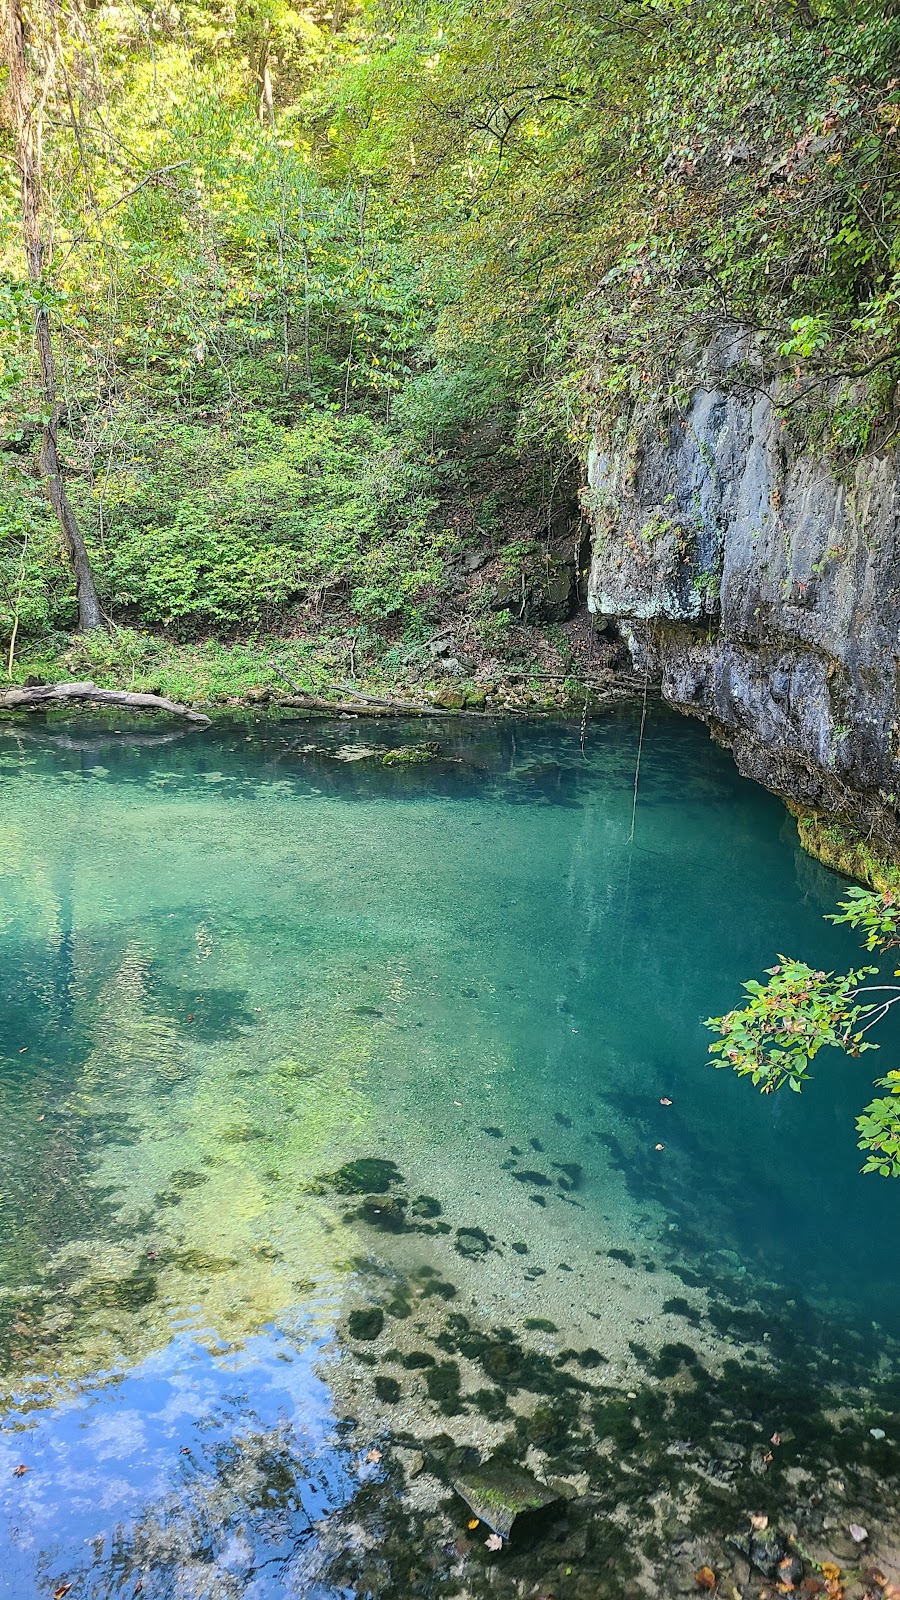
x=368, y=1175
x=410, y=755
x=472, y=1242
x=502, y=1496
x=385, y=1211
x=365, y=1324
x=766, y=1552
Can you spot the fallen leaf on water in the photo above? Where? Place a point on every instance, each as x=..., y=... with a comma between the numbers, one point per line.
x=373, y=1455
x=858, y=1533
x=494, y=1541
x=830, y=1570
x=62, y=1591
x=660, y=1147
x=775, y=1439
x=665, y=1101
x=706, y=1578
x=472, y=1522
x=759, y=1523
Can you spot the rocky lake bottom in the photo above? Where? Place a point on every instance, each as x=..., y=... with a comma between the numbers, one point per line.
x=372, y=1222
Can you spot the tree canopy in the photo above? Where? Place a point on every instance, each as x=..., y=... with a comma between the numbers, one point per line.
x=279, y=236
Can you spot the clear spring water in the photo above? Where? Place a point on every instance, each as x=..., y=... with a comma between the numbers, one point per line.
x=233, y=960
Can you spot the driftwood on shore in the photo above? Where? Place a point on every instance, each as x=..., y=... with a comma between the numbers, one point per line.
x=48, y=693
x=360, y=705
x=360, y=708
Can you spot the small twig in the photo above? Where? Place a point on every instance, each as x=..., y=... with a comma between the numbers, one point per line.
x=129, y=193
x=289, y=681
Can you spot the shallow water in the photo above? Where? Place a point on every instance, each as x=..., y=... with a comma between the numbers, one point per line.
x=233, y=961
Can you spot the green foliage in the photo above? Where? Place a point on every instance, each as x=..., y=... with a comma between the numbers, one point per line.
x=415, y=218
x=787, y=1021
x=879, y=1129
x=35, y=582
x=204, y=671
x=603, y=193
x=223, y=531
x=876, y=915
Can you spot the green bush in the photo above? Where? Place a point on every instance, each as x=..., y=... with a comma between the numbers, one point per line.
x=203, y=529
x=35, y=581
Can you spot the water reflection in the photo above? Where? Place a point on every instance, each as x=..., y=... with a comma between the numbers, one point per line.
x=204, y=1472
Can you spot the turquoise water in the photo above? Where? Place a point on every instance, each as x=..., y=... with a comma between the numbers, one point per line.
x=233, y=961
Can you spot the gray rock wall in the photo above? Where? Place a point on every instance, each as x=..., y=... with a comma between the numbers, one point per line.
x=764, y=590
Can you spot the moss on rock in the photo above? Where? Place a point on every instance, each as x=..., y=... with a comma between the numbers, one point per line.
x=837, y=845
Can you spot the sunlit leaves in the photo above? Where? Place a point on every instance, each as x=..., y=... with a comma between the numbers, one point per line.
x=876, y=915
x=786, y=1022
x=879, y=1129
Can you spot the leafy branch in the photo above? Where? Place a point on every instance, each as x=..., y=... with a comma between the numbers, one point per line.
x=773, y=1039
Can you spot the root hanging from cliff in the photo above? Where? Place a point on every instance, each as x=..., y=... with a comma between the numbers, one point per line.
x=637, y=765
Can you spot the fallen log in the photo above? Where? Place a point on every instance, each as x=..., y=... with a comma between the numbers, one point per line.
x=361, y=705
x=356, y=708
x=373, y=700
x=43, y=693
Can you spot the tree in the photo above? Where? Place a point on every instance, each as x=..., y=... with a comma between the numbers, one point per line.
x=773, y=1039
x=26, y=108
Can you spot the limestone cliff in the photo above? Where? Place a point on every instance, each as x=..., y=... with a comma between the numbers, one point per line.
x=763, y=588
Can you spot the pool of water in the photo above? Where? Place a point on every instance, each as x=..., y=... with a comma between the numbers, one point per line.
x=237, y=962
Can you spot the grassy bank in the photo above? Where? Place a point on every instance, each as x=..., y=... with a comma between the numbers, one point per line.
x=552, y=670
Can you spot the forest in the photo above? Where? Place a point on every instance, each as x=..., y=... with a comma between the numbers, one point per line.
x=334, y=300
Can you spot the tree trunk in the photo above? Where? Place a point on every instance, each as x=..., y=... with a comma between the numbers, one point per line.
x=43, y=693
x=28, y=160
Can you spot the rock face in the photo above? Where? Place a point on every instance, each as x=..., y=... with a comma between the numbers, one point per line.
x=764, y=591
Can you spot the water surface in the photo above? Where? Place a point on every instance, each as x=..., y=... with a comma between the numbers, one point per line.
x=234, y=960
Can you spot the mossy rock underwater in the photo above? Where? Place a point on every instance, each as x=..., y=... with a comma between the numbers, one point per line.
x=365, y=1324
x=411, y=755
x=503, y=1496
x=368, y=1175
